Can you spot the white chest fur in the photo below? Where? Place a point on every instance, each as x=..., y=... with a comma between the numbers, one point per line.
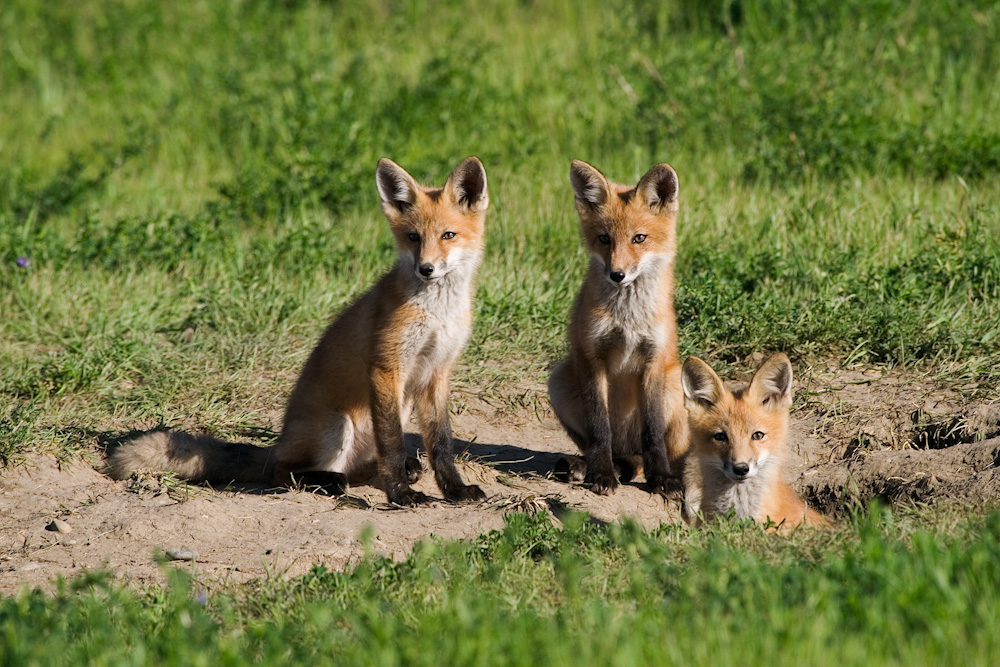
x=743, y=498
x=439, y=335
x=721, y=494
x=631, y=326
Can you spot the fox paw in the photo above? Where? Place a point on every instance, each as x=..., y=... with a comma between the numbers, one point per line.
x=413, y=469
x=322, y=482
x=657, y=487
x=665, y=485
x=570, y=469
x=603, y=485
x=464, y=493
x=407, y=497
x=626, y=469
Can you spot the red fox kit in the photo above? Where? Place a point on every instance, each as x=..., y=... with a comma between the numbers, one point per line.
x=737, y=446
x=392, y=350
x=619, y=393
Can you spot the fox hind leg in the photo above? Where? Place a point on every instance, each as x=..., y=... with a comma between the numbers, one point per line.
x=318, y=453
x=568, y=406
x=568, y=402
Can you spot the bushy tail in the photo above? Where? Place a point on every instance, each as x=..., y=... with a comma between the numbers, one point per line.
x=196, y=458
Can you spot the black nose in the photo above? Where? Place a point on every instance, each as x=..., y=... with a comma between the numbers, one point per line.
x=426, y=270
x=618, y=276
x=741, y=469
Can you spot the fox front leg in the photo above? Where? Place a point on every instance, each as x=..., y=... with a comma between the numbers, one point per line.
x=386, y=421
x=432, y=409
x=655, y=463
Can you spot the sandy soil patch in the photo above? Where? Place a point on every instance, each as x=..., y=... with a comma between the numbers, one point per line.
x=855, y=436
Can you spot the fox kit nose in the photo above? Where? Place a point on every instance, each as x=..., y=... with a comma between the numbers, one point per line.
x=617, y=276
x=741, y=469
x=426, y=270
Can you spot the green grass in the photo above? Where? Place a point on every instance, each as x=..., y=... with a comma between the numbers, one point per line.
x=880, y=591
x=208, y=167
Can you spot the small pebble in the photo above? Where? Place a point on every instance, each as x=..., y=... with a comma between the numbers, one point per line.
x=29, y=566
x=181, y=554
x=59, y=526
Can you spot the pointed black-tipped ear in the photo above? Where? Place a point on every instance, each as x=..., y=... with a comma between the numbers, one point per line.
x=658, y=189
x=589, y=185
x=397, y=188
x=466, y=186
x=772, y=383
x=702, y=386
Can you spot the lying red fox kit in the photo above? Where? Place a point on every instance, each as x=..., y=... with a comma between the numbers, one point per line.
x=619, y=393
x=738, y=440
x=392, y=350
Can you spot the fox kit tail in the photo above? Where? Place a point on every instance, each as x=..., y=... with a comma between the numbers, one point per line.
x=196, y=458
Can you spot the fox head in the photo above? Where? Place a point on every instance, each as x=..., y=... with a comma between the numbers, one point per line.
x=437, y=230
x=627, y=229
x=742, y=432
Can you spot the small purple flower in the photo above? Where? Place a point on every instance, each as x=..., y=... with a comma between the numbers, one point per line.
x=23, y=262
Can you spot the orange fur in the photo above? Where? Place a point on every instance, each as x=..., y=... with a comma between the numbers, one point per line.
x=392, y=350
x=619, y=392
x=738, y=442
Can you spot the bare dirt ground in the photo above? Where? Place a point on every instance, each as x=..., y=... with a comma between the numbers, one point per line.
x=856, y=435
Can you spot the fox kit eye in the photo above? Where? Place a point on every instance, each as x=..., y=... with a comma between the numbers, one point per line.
x=720, y=436
x=638, y=238
x=604, y=238
x=413, y=236
x=448, y=236
x=758, y=435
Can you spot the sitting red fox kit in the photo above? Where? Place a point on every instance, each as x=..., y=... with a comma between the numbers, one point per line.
x=619, y=394
x=738, y=440
x=392, y=350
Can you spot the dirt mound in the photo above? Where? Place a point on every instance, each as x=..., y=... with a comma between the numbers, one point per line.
x=898, y=437
x=855, y=436
x=964, y=472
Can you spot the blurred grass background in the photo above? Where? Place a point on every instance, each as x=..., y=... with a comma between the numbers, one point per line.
x=209, y=166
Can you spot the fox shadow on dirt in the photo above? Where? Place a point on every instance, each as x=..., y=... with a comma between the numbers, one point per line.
x=503, y=458
x=108, y=441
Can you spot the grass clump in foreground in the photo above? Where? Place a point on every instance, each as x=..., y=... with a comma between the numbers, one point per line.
x=877, y=592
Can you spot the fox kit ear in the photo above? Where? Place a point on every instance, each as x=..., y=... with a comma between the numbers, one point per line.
x=589, y=185
x=397, y=188
x=467, y=186
x=772, y=383
x=658, y=188
x=702, y=387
